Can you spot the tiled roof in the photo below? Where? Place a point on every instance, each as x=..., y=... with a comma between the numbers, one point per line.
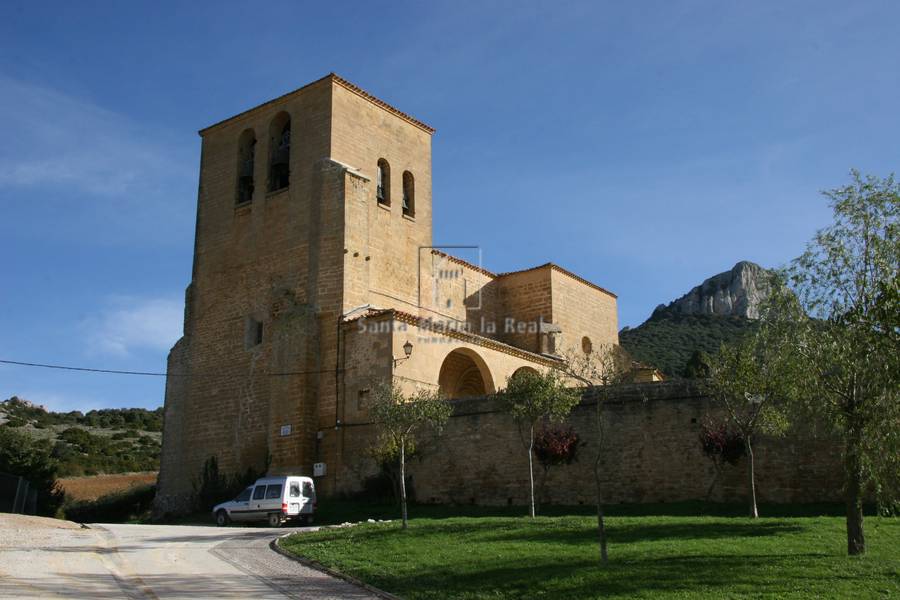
x=343, y=83
x=560, y=269
x=464, y=263
x=465, y=336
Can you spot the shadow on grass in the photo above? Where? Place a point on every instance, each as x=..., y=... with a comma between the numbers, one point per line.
x=334, y=511
x=544, y=532
x=700, y=575
x=629, y=533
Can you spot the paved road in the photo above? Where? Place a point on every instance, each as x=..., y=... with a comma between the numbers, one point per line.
x=153, y=561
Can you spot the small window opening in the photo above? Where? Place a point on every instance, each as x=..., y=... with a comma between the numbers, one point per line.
x=586, y=346
x=253, y=335
x=280, y=162
x=246, y=166
x=362, y=400
x=383, y=183
x=409, y=194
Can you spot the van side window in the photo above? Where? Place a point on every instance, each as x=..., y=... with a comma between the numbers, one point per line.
x=295, y=490
x=259, y=493
x=308, y=490
x=245, y=495
x=274, y=491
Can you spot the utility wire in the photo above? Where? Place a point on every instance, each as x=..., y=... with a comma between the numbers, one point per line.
x=150, y=373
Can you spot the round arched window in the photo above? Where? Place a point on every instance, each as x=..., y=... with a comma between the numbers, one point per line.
x=586, y=345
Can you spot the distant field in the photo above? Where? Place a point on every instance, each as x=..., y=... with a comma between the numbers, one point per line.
x=91, y=488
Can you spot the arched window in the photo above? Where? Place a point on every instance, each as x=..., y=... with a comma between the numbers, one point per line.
x=383, y=186
x=245, y=167
x=586, y=346
x=409, y=194
x=280, y=152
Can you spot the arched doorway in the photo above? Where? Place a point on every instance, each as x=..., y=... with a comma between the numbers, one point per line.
x=464, y=374
x=524, y=371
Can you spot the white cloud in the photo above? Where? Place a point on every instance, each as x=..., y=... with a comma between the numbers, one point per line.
x=131, y=324
x=66, y=141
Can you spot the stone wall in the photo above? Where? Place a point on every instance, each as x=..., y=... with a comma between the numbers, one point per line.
x=651, y=454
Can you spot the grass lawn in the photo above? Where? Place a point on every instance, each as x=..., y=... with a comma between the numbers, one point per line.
x=672, y=556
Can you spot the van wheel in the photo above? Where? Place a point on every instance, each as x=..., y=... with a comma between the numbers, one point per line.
x=274, y=520
x=222, y=518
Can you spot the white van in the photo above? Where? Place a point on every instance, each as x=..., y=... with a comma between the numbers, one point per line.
x=272, y=499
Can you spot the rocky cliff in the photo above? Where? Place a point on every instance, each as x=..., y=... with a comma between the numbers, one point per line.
x=739, y=292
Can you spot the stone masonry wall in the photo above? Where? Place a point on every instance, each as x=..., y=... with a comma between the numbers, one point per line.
x=652, y=454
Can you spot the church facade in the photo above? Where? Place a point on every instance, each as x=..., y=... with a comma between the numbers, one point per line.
x=315, y=278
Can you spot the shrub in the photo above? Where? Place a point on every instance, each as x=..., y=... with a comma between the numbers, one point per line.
x=720, y=443
x=214, y=487
x=116, y=507
x=23, y=456
x=556, y=446
x=722, y=446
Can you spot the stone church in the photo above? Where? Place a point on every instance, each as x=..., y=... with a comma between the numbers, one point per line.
x=315, y=278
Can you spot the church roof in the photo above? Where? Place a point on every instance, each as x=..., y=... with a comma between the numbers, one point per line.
x=550, y=265
x=337, y=79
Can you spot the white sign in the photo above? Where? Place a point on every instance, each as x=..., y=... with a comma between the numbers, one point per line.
x=285, y=430
x=319, y=470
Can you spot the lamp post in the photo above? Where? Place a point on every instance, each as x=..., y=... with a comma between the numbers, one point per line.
x=407, y=350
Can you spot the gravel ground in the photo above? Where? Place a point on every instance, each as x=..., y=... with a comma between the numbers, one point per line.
x=46, y=558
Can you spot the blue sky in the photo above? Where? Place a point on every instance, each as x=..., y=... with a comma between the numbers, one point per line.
x=644, y=145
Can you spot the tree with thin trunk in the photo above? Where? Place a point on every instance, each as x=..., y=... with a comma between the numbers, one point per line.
x=400, y=419
x=847, y=282
x=748, y=379
x=531, y=398
x=599, y=371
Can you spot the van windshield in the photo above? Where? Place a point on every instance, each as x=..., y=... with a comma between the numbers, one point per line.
x=245, y=495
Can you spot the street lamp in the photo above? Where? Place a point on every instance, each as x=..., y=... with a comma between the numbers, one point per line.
x=407, y=350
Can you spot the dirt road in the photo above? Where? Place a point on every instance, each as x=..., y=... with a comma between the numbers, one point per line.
x=46, y=558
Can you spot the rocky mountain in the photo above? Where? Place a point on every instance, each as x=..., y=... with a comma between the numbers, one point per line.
x=739, y=292
x=719, y=310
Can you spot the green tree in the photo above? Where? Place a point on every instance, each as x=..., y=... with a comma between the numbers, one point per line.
x=400, y=419
x=26, y=457
x=532, y=397
x=752, y=381
x=599, y=371
x=847, y=282
x=697, y=366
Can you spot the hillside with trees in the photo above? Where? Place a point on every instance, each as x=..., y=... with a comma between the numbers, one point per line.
x=667, y=340
x=116, y=440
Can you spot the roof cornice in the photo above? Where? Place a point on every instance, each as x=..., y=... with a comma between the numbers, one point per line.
x=437, y=327
x=335, y=79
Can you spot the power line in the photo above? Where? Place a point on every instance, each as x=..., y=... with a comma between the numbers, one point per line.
x=151, y=373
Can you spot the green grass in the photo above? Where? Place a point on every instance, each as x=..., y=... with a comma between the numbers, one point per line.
x=500, y=557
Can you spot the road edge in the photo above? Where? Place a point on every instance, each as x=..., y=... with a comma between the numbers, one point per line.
x=312, y=564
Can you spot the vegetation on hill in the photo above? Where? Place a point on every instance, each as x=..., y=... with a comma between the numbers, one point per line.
x=116, y=440
x=81, y=452
x=667, y=340
x=139, y=419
